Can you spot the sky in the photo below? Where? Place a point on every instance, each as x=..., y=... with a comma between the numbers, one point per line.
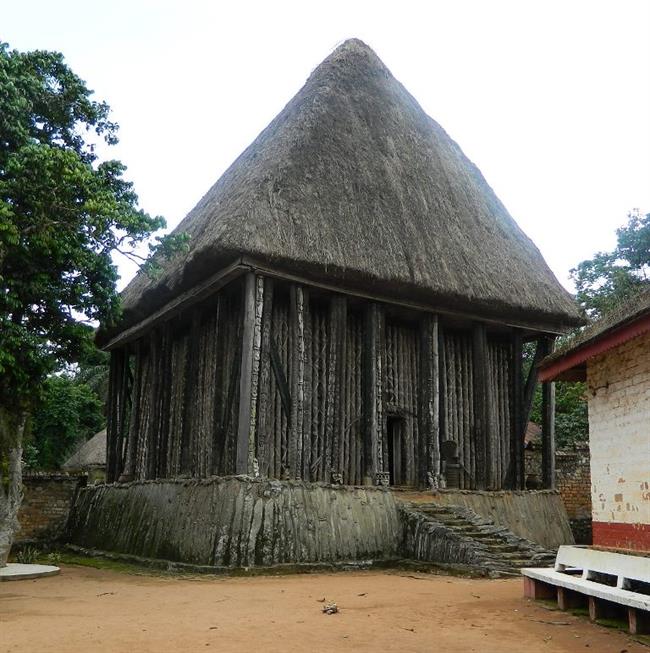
x=550, y=99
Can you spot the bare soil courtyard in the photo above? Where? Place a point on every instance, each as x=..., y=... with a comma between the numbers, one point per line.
x=86, y=609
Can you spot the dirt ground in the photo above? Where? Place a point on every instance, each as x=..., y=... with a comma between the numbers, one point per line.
x=87, y=609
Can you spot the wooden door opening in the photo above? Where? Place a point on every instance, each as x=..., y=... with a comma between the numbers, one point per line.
x=395, y=431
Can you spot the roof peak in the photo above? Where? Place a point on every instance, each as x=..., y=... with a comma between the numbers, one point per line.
x=354, y=182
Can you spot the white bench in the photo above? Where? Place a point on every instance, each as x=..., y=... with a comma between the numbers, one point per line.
x=575, y=581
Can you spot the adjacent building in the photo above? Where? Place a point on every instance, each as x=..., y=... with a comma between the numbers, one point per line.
x=613, y=357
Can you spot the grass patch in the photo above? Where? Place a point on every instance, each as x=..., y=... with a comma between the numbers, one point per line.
x=107, y=564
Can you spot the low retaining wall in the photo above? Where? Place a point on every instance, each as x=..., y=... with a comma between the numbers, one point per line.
x=237, y=521
x=538, y=516
x=47, y=502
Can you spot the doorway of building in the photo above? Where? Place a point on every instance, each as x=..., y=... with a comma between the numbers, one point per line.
x=395, y=431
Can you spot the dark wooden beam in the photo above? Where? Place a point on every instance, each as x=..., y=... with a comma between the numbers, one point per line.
x=307, y=388
x=188, y=440
x=337, y=317
x=373, y=384
x=482, y=430
x=429, y=411
x=281, y=380
x=249, y=374
x=531, y=384
x=548, y=421
x=115, y=380
x=517, y=475
x=128, y=473
x=297, y=383
x=264, y=424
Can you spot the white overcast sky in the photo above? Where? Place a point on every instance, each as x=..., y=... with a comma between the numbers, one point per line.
x=550, y=99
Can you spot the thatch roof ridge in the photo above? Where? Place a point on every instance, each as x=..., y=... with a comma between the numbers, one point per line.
x=352, y=181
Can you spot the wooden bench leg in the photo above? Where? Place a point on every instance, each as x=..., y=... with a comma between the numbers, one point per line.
x=639, y=621
x=567, y=599
x=600, y=609
x=536, y=589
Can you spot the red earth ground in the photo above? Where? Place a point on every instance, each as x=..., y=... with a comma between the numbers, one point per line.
x=100, y=610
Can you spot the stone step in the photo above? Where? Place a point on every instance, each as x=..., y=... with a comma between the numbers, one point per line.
x=504, y=556
x=505, y=548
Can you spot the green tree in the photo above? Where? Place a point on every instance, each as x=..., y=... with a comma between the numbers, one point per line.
x=63, y=214
x=608, y=278
x=571, y=421
x=69, y=413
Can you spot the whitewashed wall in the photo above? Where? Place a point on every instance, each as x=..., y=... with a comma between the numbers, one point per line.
x=619, y=433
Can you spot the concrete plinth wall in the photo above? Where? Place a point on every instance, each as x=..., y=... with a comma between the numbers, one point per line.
x=538, y=516
x=237, y=521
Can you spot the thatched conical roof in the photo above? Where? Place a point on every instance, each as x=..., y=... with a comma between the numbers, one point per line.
x=352, y=182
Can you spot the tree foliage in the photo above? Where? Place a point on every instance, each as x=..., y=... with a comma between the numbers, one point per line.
x=69, y=413
x=608, y=278
x=63, y=213
x=571, y=420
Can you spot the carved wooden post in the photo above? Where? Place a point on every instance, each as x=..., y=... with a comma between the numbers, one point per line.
x=188, y=441
x=128, y=473
x=335, y=371
x=373, y=384
x=264, y=440
x=517, y=465
x=116, y=392
x=297, y=379
x=548, y=422
x=429, y=410
x=250, y=367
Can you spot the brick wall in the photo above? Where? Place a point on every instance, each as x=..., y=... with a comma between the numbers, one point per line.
x=573, y=480
x=45, y=508
x=619, y=427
